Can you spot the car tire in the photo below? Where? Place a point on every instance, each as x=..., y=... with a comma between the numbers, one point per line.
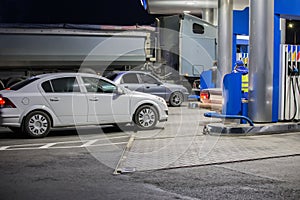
x=37, y=124
x=146, y=117
x=176, y=99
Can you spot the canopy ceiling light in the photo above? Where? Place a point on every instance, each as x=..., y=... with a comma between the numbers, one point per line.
x=192, y=6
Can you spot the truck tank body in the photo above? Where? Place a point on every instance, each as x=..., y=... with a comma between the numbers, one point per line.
x=54, y=46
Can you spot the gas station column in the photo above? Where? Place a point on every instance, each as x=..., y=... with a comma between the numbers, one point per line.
x=261, y=66
x=225, y=8
x=208, y=15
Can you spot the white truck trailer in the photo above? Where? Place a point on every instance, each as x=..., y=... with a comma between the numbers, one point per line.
x=181, y=44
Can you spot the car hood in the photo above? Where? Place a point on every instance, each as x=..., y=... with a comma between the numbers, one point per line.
x=173, y=87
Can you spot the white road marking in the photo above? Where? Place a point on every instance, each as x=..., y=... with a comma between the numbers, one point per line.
x=47, y=145
x=4, y=148
x=55, y=145
x=89, y=143
x=61, y=147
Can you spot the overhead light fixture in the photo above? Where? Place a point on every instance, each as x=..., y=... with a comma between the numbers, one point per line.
x=186, y=11
x=190, y=2
x=291, y=25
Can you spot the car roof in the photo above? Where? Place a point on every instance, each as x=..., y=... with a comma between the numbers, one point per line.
x=127, y=72
x=62, y=74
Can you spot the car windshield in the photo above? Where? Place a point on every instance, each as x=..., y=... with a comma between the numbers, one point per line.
x=22, y=84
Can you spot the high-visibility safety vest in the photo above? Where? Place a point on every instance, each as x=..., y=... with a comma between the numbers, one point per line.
x=245, y=83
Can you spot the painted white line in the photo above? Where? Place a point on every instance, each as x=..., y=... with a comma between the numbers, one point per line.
x=50, y=145
x=28, y=145
x=89, y=143
x=108, y=138
x=47, y=145
x=4, y=148
x=63, y=147
x=44, y=145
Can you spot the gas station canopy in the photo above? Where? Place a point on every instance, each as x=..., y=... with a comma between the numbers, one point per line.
x=191, y=6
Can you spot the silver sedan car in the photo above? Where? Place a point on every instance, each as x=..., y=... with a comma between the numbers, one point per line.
x=39, y=103
x=174, y=94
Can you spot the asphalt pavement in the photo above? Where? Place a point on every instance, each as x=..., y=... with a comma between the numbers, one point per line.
x=79, y=164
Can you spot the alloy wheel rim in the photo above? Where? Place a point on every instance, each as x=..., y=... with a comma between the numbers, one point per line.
x=176, y=99
x=146, y=117
x=38, y=124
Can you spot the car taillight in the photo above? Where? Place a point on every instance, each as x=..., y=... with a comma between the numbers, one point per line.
x=6, y=103
x=204, y=95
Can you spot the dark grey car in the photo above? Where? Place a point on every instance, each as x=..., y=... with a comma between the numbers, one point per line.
x=145, y=82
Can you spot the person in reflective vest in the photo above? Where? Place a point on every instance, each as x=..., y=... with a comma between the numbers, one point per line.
x=240, y=68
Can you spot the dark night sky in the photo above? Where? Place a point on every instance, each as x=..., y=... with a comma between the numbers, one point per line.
x=293, y=34
x=105, y=12
x=110, y=12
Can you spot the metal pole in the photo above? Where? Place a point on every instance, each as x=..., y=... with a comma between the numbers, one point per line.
x=208, y=15
x=225, y=8
x=261, y=60
x=282, y=30
x=215, y=17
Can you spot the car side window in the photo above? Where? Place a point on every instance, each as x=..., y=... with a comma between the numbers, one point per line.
x=59, y=85
x=47, y=87
x=130, y=78
x=96, y=85
x=148, y=79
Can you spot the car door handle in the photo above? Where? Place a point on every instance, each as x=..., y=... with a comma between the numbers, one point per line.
x=125, y=86
x=54, y=99
x=147, y=87
x=94, y=99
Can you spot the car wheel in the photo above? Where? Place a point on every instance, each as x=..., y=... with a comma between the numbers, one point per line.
x=146, y=117
x=37, y=124
x=176, y=99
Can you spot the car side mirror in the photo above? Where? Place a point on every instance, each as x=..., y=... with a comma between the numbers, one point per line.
x=119, y=91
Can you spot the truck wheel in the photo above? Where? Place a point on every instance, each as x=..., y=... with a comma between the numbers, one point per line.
x=37, y=124
x=176, y=99
x=145, y=117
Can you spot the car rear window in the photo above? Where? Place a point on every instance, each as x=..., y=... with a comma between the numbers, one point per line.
x=22, y=84
x=111, y=76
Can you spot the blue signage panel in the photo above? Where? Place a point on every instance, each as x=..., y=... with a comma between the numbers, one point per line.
x=287, y=7
x=241, y=22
